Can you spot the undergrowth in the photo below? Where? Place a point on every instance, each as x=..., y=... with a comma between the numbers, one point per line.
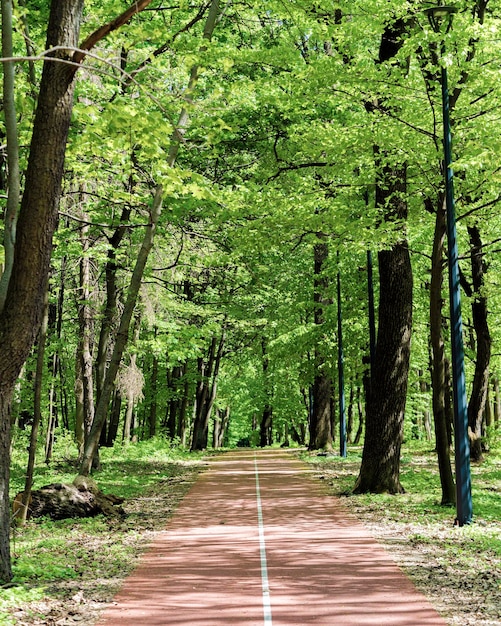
x=52, y=560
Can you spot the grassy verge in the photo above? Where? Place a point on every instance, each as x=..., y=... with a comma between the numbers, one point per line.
x=459, y=569
x=65, y=571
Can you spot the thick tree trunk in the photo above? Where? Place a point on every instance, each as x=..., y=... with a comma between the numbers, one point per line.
x=20, y=319
x=380, y=467
x=266, y=427
x=478, y=398
x=321, y=424
x=116, y=406
x=438, y=363
x=13, y=172
x=207, y=395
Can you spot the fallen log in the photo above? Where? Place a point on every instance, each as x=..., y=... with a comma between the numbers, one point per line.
x=82, y=498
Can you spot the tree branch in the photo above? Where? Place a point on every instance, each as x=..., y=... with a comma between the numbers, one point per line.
x=108, y=28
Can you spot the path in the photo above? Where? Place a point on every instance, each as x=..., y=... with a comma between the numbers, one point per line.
x=257, y=542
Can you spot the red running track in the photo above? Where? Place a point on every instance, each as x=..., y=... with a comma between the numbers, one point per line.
x=257, y=542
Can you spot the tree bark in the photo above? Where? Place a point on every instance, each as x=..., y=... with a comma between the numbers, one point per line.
x=266, y=422
x=438, y=364
x=321, y=415
x=22, y=513
x=86, y=332
x=478, y=398
x=152, y=413
x=13, y=173
x=110, y=309
x=20, y=320
x=497, y=401
x=116, y=406
x=207, y=394
x=380, y=468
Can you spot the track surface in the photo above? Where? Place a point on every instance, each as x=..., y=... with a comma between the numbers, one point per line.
x=258, y=542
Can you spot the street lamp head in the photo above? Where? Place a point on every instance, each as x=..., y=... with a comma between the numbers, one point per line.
x=440, y=15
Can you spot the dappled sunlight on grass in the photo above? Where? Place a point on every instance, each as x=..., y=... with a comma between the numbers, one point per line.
x=459, y=568
x=77, y=564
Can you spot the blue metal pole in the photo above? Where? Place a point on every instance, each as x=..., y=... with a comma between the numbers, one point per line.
x=464, y=507
x=340, y=370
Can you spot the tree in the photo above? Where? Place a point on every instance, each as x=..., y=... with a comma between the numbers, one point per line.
x=321, y=417
x=38, y=216
x=20, y=320
x=380, y=467
x=480, y=387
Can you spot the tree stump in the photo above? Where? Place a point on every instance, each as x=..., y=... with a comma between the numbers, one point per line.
x=82, y=498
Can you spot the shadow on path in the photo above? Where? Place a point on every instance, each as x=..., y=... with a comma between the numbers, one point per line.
x=323, y=566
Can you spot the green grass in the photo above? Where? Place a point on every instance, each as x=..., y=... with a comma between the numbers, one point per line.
x=51, y=559
x=50, y=555
x=471, y=555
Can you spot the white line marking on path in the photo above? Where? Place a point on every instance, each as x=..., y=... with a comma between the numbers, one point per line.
x=262, y=551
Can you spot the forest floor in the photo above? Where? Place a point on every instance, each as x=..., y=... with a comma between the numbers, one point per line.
x=458, y=571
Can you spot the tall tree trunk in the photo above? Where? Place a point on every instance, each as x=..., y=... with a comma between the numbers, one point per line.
x=380, y=468
x=478, y=398
x=221, y=422
x=438, y=363
x=79, y=405
x=360, y=411
x=266, y=426
x=349, y=425
x=116, y=406
x=207, y=395
x=38, y=215
x=152, y=414
x=132, y=391
x=110, y=309
x=86, y=331
x=497, y=401
x=266, y=423
x=13, y=173
x=174, y=379
x=122, y=337
x=22, y=512
x=321, y=415
x=20, y=320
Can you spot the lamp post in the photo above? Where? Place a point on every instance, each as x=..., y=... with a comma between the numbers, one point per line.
x=440, y=17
